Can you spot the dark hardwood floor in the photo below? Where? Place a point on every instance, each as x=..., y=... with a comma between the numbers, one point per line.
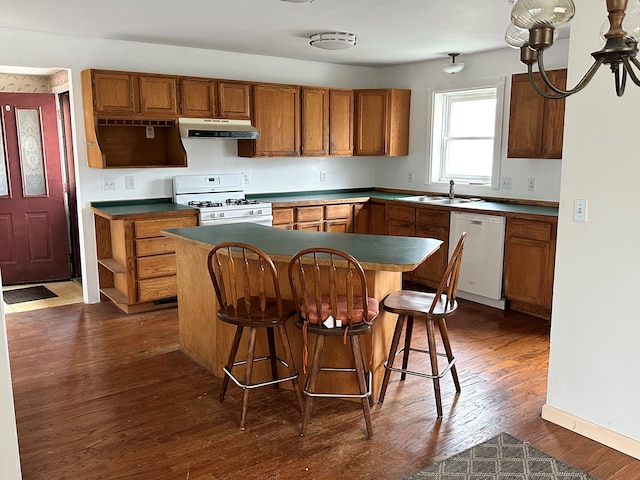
x=103, y=395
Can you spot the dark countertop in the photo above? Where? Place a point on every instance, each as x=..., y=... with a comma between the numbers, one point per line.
x=374, y=252
x=127, y=208
x=486, y=207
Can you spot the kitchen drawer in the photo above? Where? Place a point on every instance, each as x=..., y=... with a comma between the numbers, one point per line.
x=155, y=246
x=403, y=214
x=529, y=229
x=309, y=214
x=429, y=216
x=334, y=212
x=282, y=215
x=157, y=288
x=153, y=228
x=156, y=266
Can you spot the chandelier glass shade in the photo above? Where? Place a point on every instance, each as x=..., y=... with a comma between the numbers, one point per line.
x=541, y=18
x=453, y=67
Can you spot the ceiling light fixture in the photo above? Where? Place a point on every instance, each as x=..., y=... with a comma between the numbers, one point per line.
x=298, y=1
x=542, y=17
x=333, y=40
x=453, y=67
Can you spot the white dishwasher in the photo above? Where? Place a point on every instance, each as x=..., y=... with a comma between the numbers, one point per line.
x=482, y=258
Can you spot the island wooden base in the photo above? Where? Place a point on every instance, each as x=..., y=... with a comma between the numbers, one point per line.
x=207, y=340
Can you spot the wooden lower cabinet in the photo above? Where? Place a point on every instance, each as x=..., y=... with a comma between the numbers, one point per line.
x=529, y=262
x=434, y=224
x=315, y=218
x=136, y=263
x=401, y=221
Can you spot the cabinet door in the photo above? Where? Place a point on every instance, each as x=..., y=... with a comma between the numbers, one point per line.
x=341, y=111
x=284, y=218
x=401, y=221
x=372, y=107
x=234, y=100
x=361, y=220
x=158, y=96
x=198, y=98
x=433, y=224
x=338, y=218
x=377, y=219
x=315, y=121
x=115, y=93
x=536, y=124
x=276, y=113
x=528, y=265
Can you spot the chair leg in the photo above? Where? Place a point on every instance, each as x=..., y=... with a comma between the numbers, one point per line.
x=251, y=347
x=392, y=355
x=230, y=361
x=312, y=381
x=442, y=325
x=362, y=382
x=407, y=346
x=272, y=355
x=431, y=341
x=292, y=370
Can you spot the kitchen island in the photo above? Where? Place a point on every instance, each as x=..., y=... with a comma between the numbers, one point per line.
x=207, y=340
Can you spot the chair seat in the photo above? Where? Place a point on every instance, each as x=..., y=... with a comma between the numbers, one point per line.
x=310, y=310
x=416, y=303
x=355, y=329
x=255, y=317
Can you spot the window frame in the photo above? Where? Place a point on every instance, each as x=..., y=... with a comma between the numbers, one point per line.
x=435, y=151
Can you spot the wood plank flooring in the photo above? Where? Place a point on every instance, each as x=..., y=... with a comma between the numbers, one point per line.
x=104, y=395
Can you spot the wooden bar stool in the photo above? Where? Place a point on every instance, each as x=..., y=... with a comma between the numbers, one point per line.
x=246, y=284
x=409, y=304
x=330, y=292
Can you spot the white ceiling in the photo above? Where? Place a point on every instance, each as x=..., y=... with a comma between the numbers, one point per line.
x=389, y=32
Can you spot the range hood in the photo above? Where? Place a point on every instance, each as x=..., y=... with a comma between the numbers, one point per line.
x=216, y=128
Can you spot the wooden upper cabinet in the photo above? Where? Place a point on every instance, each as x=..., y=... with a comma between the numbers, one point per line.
x=382, y=122
x=129, y=94
x=208, y=98
x=276, y=113
x=114, y=93
x=341, y=112
x=234, y=100
x=314, y=134
x=198, y=98
x=536, y=124
x=158, y=96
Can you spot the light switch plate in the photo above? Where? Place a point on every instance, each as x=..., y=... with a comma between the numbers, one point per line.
x=579, y=210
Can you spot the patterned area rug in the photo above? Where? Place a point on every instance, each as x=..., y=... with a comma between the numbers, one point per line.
x=27, y=294
x=501, y=458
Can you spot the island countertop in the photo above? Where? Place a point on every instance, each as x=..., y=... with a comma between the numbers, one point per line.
x=374, y=252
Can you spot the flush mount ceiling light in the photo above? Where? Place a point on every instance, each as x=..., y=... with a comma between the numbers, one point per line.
x=542, y=17
x=298, y=1
x=453, y=67
x=333, y=40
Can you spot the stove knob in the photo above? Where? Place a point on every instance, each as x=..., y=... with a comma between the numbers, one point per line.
x=221, y=214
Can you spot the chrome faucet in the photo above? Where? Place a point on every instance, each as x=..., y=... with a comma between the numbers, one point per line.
x=452, y=192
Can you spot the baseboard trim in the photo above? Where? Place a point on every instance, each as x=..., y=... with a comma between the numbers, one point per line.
x=590, y=430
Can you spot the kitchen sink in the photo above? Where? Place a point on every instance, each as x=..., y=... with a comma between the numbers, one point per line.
x=437, y=200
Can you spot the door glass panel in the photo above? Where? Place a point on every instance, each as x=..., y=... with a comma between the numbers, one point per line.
x=31, y=152
x=4, y=180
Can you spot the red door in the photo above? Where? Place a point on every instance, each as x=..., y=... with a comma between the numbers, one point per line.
x=34, y=243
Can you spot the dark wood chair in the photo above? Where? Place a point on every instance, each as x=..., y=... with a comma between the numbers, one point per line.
x=432, y=307
x=330, y=293
x=246, y=285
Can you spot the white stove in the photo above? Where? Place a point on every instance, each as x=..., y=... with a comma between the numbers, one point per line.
x=220, y=199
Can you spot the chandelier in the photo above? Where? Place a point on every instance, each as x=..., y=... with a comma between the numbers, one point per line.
x=533, y=29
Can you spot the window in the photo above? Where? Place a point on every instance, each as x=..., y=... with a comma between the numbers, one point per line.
x=466, y=135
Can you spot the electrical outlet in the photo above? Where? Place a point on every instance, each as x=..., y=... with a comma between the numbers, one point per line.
x=507, y=182
x=150, y=132
x=410, y=176
x=579, y=210
x=531, y=184
x=129, y=182
x=109, y=183
x=323, y=176
x=245, y=178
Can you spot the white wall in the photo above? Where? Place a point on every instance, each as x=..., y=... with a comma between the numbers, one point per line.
x=593, y=383
x=420, y=77
x=9, y=457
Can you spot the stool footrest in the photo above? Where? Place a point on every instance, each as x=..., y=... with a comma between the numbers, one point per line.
x=445, y=370
x=342, y=395
x=274, y=381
